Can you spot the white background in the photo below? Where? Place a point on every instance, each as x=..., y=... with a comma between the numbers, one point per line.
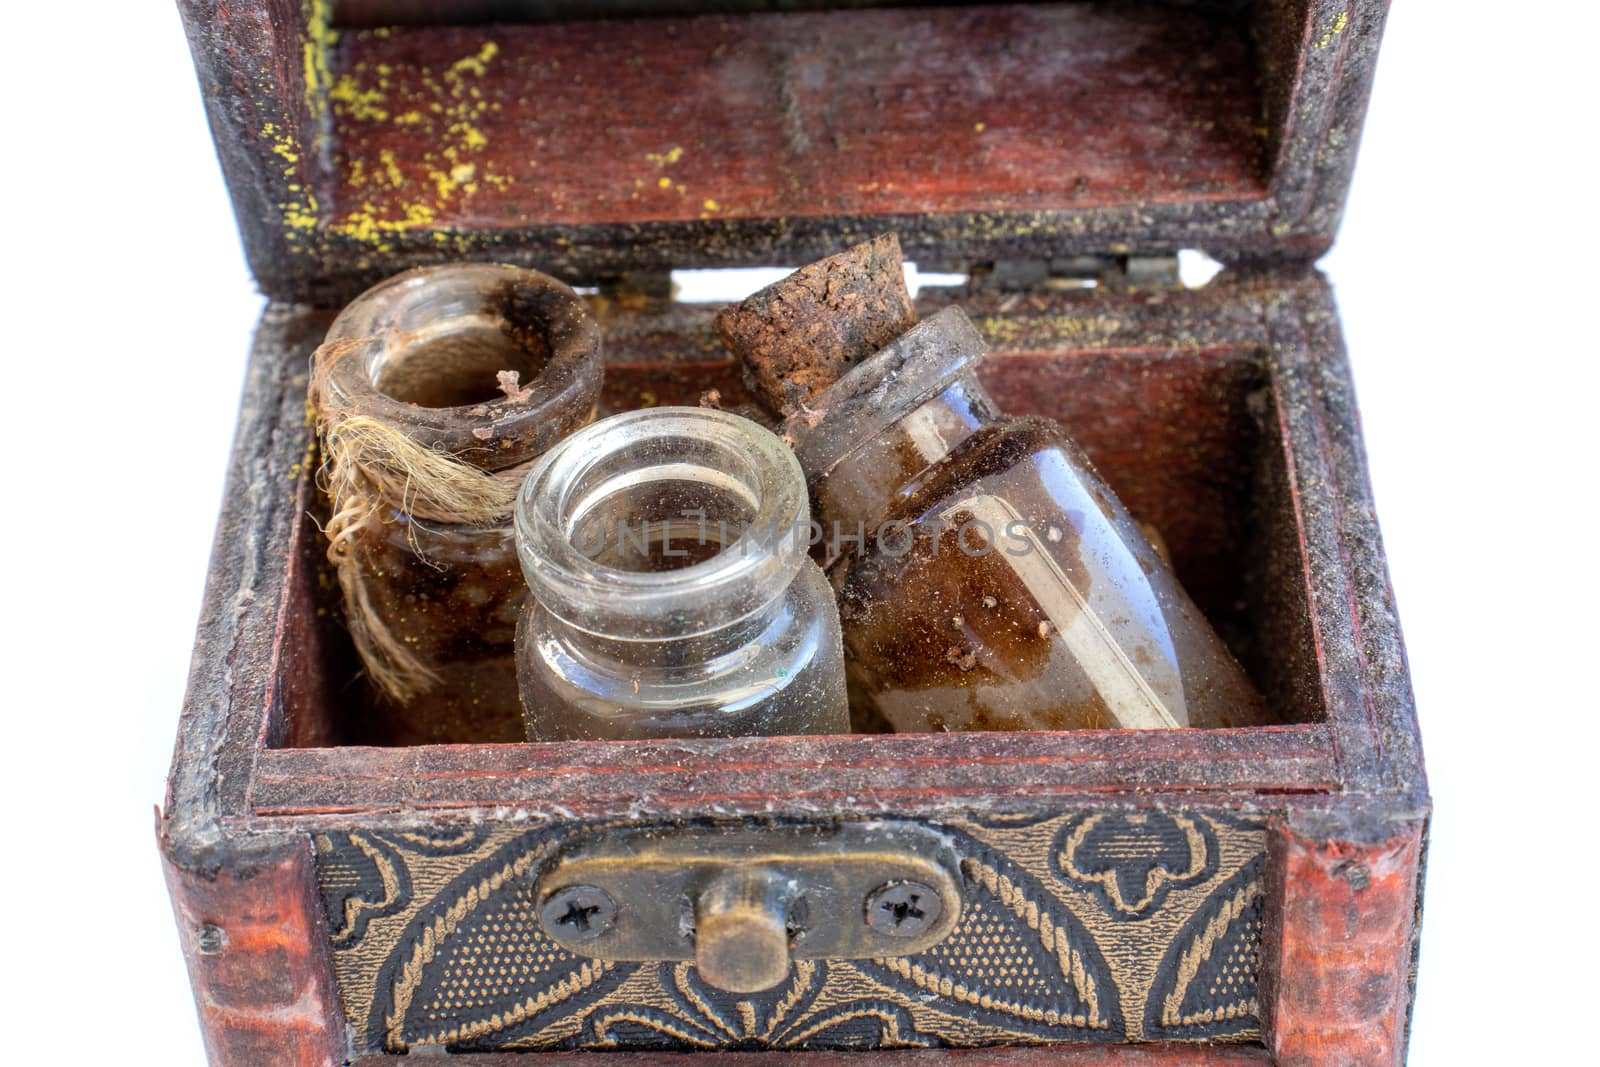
x=1465, y=275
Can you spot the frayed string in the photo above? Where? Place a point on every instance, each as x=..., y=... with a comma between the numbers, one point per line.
x=370, y=467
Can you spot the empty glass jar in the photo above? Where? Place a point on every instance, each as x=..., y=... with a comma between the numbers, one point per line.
x=988, y=579
x=672, y=595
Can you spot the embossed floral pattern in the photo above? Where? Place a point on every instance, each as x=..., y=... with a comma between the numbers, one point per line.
x=1088, y=926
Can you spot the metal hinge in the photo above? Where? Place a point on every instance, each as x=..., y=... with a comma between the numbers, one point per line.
x=1110, y=271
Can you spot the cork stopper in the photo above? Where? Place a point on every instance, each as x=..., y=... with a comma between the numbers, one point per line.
x=798, y=336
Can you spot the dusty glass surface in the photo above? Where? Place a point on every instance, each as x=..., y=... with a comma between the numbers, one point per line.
x=1000, y=584
x=672, y=594
x=483, y=366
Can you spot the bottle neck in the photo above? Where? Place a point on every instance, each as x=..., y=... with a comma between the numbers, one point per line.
x=858, y=491
x=668, y=659
x=893, y=415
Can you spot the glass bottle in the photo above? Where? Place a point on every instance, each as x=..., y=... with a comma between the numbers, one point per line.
x=987, y=578
x=672, y=595
x=482, y=367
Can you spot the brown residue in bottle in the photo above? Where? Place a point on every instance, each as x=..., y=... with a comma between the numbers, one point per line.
x=915, y=621
x=526, y=315
x=939, y=602
x=990, y=451
x=434, y=389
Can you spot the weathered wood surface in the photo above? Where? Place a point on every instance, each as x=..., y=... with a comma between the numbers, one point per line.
x=901, y=774
x=1176, y=396
x=257, y=949
x=1350, y=678
x=1007, y=131
x=1340, y=944
x=237, y=797
x=976, y=131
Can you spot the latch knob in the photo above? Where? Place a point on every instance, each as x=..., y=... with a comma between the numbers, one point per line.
x=741, y=935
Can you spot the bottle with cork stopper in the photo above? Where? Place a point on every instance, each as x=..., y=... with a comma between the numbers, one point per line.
x=988, y=578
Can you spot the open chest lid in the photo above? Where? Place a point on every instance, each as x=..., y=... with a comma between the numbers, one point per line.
x=361, y=137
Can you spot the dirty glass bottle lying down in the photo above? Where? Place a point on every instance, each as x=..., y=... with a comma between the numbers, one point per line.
x=672, y=594
x=987, y=577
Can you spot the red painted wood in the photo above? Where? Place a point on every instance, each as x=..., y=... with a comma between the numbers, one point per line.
x=978, y=131
x=1338, y=945
x=881, y=112
x=859, y=774
x=259, y=961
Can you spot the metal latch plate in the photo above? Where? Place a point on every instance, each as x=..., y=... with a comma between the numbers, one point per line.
x=742, y=902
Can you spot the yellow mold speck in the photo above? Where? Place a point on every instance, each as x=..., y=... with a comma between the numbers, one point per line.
x=363, y=105
x=365, y=225
x=320, y=39
x=1340, y=21
x=419, y=196
x=391, y=169
x=476, y=64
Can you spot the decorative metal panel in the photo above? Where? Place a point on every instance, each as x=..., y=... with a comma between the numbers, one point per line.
x=1095, y=925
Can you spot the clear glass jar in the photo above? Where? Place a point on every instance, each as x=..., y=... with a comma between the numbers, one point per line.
x=486, y=366
x=672, y=595
x=988, y=579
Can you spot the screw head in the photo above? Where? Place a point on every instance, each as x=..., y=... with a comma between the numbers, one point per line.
x=210, y=939
x=578, y=913
x=903, y=909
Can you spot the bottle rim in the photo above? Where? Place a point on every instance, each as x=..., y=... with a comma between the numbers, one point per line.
x=494, y=433
x=724, y=454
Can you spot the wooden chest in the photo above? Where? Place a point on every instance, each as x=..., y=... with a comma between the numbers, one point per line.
x=1190, y=896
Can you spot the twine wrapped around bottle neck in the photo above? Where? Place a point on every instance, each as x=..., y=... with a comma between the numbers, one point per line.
x=410, y=439
x=370, y=470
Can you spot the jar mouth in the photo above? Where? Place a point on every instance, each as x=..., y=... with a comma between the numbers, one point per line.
x=459, y=361
x=662, y=523
x=427, y=351
x=883, y=388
